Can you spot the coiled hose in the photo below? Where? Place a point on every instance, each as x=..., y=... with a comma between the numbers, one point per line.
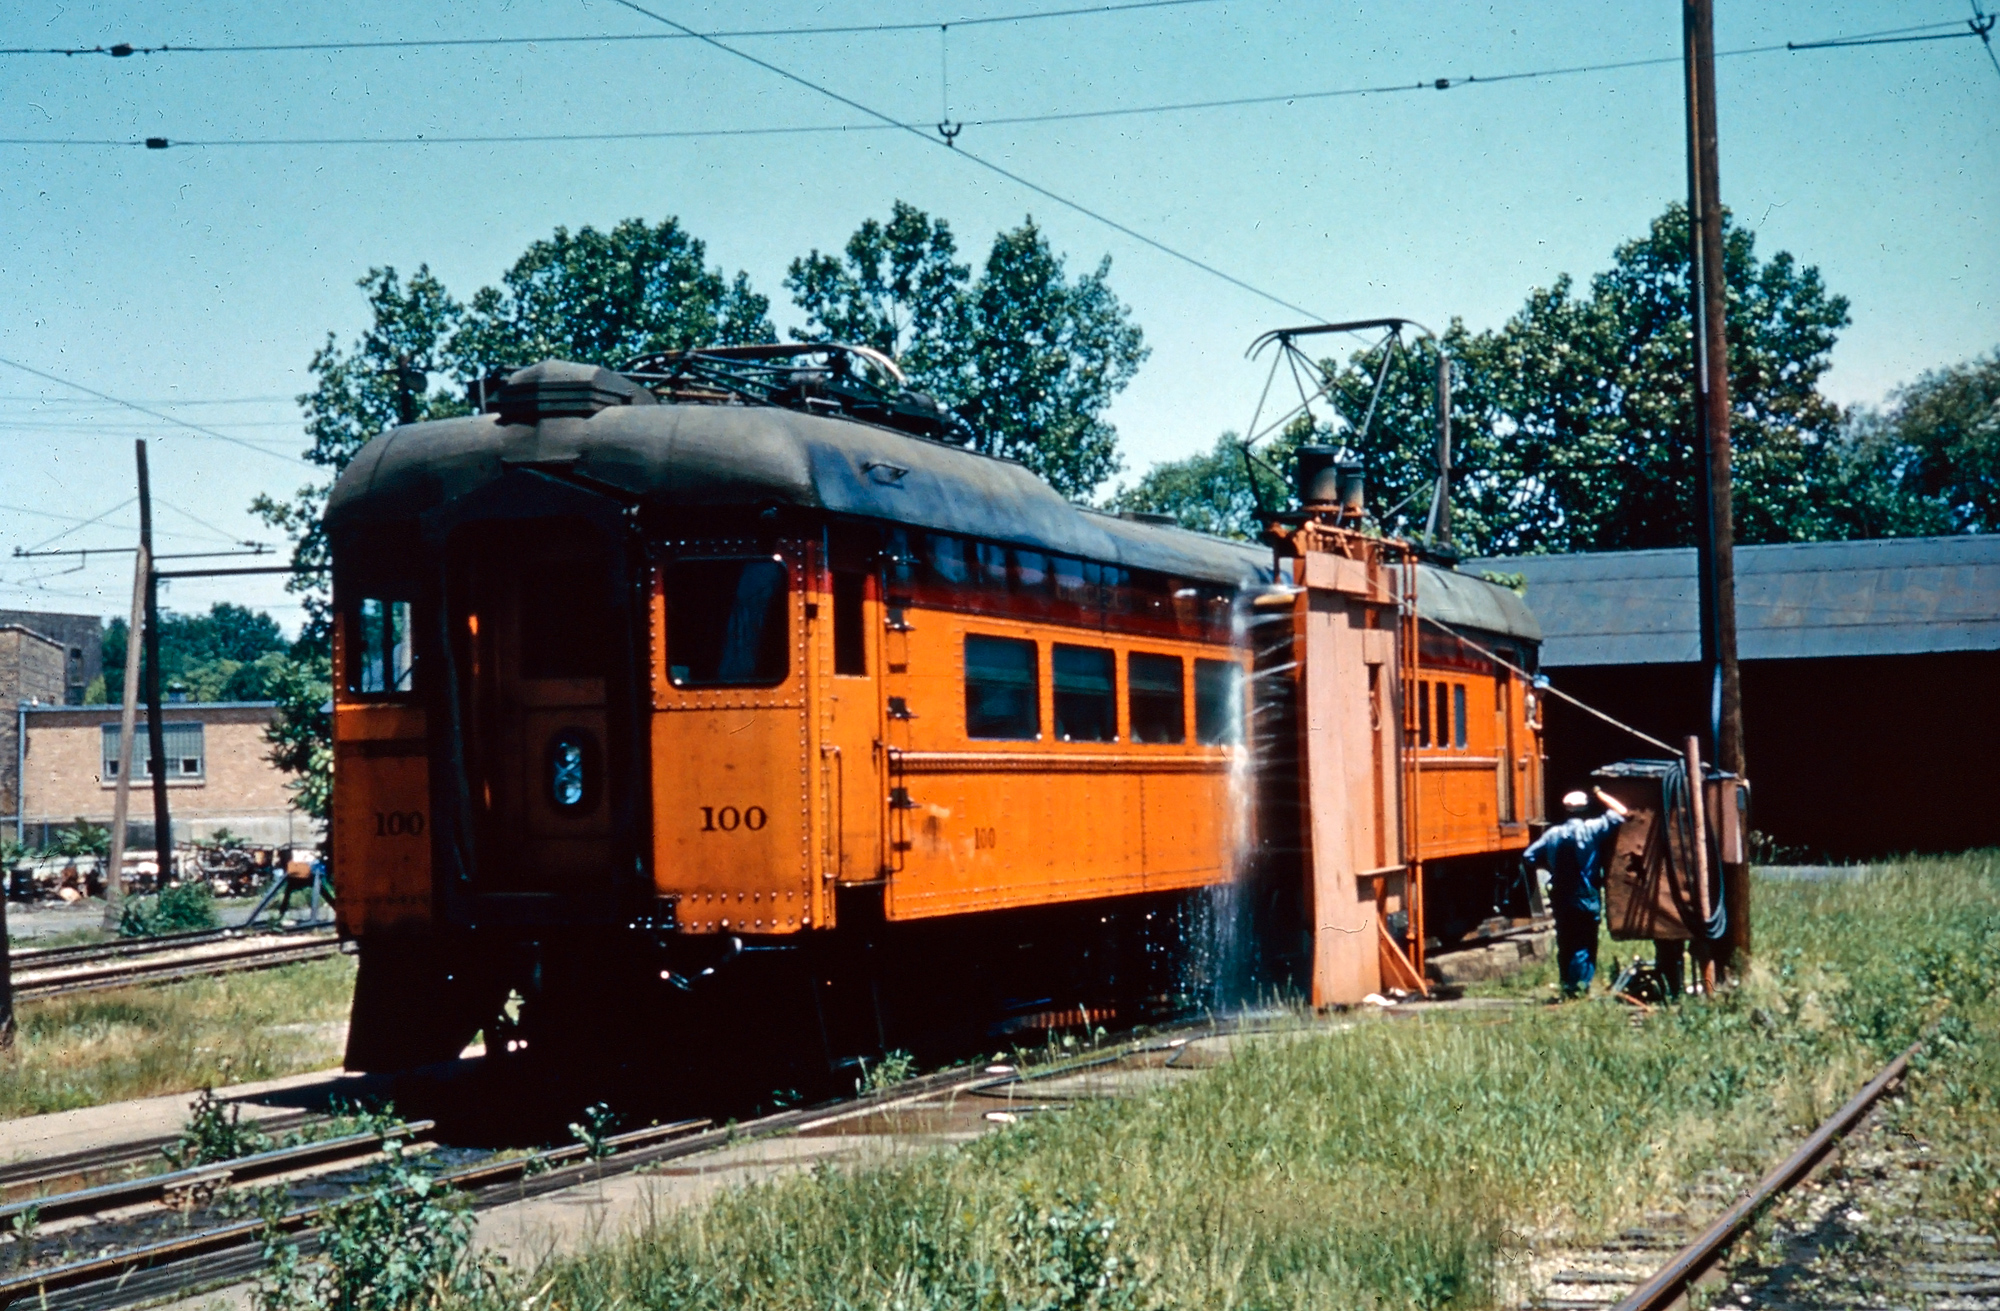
x=1677, y=803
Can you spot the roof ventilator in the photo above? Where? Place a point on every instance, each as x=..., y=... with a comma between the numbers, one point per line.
x=557, y=389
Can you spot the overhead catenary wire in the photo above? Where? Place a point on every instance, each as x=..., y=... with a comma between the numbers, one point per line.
x=142, y=409
x=981, y=161
x=886, y=123
x=1542, y=684
x=124, y=50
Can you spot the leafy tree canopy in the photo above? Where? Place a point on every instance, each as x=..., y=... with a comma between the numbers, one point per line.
x=605, y=298
x=1030, y=356
x=1572, y=425
x=229, y=654
x=1930, y=462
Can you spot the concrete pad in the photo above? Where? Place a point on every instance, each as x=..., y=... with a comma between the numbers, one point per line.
x=528, y=1231
x=61, y=1132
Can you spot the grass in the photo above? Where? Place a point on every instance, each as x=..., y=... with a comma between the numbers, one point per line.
x=142, y=1042
x=1394, y=1163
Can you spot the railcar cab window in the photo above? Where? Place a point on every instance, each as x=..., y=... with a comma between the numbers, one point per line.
x=379, y=656
x=728, y=623
x=1218, y=703
x=1157, y=693
x=1086, y=687
x=1002, y=689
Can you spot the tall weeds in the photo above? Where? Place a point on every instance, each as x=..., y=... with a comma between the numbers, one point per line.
x=1389, y=1164
x=139, y=1042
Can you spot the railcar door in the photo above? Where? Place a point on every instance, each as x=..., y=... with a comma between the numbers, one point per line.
x=740, y=827
x=536, y=632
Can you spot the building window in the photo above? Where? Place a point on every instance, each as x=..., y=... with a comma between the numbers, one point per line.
x=727, y=623
x=1218, y=702
x=1157, y=693
x=1086, y=684
x=187, y=762
x=1002, y=692
x=379, y=654
x=1458, y=715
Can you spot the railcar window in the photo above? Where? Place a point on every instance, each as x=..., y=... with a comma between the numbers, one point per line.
x=1218, y=702
x=1157, y=694
x=1002, y=692
x=948, y=559
x=1423, y=713
x=1031, y=572
x=727, y=623
x=1070, y=584
x=992, y=562
x=850, y=634
x=564, y=631
x=379, y=655
x=1443, y=721
x=1458, y=715
x=1086, y=685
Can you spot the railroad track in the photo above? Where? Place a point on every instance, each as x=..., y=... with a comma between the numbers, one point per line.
x=151, y=1264
x=70, y=1171
x=63, y=971
x=1818, y=1258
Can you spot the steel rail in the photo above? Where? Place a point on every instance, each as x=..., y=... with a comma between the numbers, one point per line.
x=41, y=1172
x=1694, y=1260
x=145, y=971
x=497, y=1182
x=27, y=958
x=161, y=1187
x=122, y=1264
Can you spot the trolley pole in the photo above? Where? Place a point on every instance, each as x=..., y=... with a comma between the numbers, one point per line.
x=156, y=730
x=1715, y=543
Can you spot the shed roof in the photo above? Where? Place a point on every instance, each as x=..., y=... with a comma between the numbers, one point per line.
x=1891, y=596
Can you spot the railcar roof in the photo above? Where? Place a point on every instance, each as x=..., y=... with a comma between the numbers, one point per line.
x=713, y=456
x=703, y=456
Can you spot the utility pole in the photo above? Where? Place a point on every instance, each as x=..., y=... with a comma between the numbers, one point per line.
x=128, y=709
x=1443, y=530
x=156, y=729
x=1716, y=540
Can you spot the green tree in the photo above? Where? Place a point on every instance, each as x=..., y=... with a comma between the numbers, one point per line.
x=223, y=655
x=1210, y=492
x=897, y=287
x=1940, y=443
x=605, y=298
x=1029, y=356
x=1572, y=428
x=301, y=734
x=381, y=379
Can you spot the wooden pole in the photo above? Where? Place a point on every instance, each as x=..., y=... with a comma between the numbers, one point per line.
x=1716, y=540
x=156, y=730
x=1698, y=801
x=128, y=710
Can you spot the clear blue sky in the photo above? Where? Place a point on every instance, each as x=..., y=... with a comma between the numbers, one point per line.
x=199, y=280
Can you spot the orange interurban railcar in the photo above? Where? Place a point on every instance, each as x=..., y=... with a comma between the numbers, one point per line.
x=732, y=702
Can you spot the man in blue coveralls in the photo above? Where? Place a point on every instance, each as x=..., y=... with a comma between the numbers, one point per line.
x=1574, y=853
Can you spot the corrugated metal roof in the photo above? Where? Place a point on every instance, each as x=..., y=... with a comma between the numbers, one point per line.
x=1893, y=596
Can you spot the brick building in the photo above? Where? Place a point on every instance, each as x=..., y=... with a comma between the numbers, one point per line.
x=219, y=774
x=32, y=669
x=82, y=640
